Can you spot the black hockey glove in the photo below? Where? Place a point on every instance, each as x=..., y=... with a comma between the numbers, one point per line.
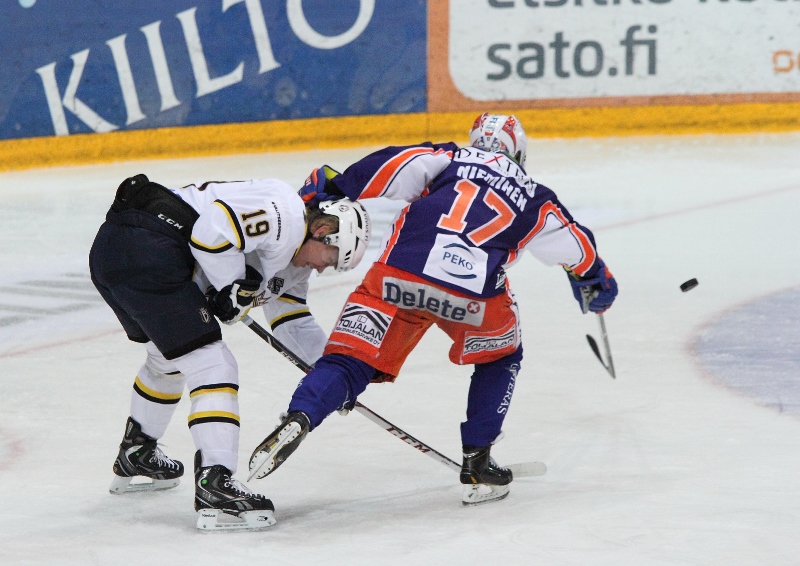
x=232, y=302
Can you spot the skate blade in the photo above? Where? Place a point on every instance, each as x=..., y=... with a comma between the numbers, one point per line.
x=483, y=493
x=216, y=520
x=122, y=485
x=265, y=458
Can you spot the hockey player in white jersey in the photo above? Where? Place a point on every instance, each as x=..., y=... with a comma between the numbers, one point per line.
x=170, y=262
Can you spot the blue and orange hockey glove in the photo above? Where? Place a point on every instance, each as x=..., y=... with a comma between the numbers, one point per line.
x=595, y=293
x=319, y=186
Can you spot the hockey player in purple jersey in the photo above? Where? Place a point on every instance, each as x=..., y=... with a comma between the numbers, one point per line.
x=472, y=212
x=170, y=262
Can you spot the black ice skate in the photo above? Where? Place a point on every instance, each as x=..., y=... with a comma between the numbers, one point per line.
x=275, y=448
x=223, y=503
x=140, y=456
x=483, y=479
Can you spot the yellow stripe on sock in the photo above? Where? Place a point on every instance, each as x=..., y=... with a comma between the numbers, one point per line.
x=213, y=414
x=157, y=394
x=197, y=392
x=277, y=319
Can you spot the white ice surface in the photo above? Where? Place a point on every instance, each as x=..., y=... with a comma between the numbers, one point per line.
x=664, y=465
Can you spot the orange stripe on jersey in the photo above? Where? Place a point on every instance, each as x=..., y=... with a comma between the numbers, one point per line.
x=549, y=207
x=589, y=254
x=398, y=224
x=377, y=185
x=545, y=209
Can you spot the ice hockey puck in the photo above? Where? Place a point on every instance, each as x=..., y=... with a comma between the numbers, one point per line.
x=689, y=285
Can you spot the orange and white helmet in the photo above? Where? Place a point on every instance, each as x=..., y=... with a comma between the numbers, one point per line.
x=500, y=132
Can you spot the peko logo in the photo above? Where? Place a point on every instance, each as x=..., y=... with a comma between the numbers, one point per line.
x=452, y=261
x=462, y=258
x=412, y=295
x=364, y=323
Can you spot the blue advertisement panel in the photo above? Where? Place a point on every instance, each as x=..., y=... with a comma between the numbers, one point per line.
x=82, y=66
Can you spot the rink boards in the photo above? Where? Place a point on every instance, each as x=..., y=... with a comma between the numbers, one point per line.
x=209, y=77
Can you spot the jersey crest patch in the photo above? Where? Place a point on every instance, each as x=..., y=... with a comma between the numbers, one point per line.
x=501, y=279
x=275, y=284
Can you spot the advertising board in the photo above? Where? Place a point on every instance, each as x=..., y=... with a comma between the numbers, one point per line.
x=567, y=53
x=96, y=66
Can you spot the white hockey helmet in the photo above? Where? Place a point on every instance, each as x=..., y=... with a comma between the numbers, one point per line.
x=354, y=231
x=500, y=132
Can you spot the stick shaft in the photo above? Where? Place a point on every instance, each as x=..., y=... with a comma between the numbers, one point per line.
x=606, y=346
x=407, y=438
x=275, y=343
x=364, y=410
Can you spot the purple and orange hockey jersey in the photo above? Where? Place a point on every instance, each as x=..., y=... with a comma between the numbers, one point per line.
x=470, y=215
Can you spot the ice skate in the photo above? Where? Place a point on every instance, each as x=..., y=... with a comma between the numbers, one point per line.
x=279, y=445
x=140, y=457
x=483, y=479
x=224, y=504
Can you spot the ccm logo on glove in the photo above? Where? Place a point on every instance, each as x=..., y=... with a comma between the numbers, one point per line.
x=232, y=302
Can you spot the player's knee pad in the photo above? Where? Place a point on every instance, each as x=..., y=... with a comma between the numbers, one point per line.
x=157, y=363
x=514, y=357
x=211, y=364
x=501, y=364
x=158, y=380
x=334, y=383
x=356, y=374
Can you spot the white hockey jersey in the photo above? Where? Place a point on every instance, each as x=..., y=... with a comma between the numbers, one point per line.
x=261, y=223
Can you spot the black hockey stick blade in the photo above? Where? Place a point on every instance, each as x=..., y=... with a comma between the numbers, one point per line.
x=596, y=349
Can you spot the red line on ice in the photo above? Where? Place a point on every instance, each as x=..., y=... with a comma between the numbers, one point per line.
x=696, y=208
x=58, y=344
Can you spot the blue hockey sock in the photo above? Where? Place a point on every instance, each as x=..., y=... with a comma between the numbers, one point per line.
x=335, y=381
x=489, y=397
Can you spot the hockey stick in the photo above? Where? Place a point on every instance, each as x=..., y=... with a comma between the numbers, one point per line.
x=518, y=470
x=593, y=345
x=588, y=296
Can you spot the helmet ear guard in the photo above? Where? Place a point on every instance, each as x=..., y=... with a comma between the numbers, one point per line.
x=500, y=133
x=354, y=231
